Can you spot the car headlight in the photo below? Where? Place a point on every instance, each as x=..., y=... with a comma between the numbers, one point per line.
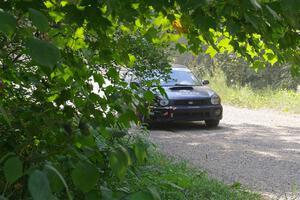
x=215, y=99
x=164, y=102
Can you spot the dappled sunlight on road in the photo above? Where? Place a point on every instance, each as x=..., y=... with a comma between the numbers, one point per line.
x=267, y=154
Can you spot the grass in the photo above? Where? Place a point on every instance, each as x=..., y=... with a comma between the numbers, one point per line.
x=175, y=180
x=281, y=100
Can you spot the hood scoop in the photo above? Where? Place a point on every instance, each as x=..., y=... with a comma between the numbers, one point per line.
x=181, y=88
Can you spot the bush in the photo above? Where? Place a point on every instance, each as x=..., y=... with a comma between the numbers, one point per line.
x=245, y=96
x=238, y=72
x=177, y=180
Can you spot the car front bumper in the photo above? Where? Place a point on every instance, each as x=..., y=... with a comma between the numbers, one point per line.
x=186, y=113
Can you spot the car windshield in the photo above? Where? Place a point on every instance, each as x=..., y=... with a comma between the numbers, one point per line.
x=179, y=77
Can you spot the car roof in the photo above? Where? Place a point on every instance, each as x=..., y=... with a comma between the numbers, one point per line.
x=178, y=67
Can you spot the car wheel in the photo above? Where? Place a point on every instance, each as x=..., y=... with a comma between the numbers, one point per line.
x=212, y=123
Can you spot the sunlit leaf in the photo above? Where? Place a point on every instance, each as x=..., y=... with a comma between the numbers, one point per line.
x=49, y=4
x=57, y=16
x=132, y=59
x=53, y=97
x=77, y=41
x=211, y=51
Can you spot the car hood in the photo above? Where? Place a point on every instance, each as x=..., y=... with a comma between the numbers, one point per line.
x=188, y=92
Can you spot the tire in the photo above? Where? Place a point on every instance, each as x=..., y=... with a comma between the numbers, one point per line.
x=212, y=123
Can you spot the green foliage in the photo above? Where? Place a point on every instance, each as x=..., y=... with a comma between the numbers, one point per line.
x=38, y=186
x=39, y=20
x=85, y=176
x=273, y=87
x=149, y=194
x=13, y=169
x=179, y=181
x=62, y=93
x=239, y=72
x=245, y=96
x=7, y=23
x=43, y=52
x=140, y=150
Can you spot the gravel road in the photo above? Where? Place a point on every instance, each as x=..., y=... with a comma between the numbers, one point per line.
x=258, y=148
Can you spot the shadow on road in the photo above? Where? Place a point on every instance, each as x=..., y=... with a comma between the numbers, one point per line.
x=182, y=126
x=264, y=158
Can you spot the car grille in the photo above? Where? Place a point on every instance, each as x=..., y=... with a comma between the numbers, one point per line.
x=199, y=102
x=192, y=114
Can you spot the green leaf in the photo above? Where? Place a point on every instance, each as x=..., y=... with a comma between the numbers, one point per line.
x=145, y=195
x=8, y=23
x=211, y=51
x=118, y=133
x=93, y=195
x=258, y=65
x=85, y=176
x=154, y=193
x=77, y=41
x=52, y=97
x=113, y=74
x=106, y=193
x=140, y=150
x=42, y=52
x=149, y=194
x=119, y=161
x=255, y=4
x=57, y=16
x=39, y=187
x=273, y=12
x=149, y=96
x=99, y=79
x=55, y=172
x=5, y=115
x=54, y=181
x=3, y=158
x=2, y=198
x=39, y=20
x=132, y=59
x=13, y=169
x=127, y=117
x=86, y=140
x=295, y=70
x=181, y=47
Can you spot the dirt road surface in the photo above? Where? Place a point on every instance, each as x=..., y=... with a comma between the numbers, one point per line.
x=259, y=149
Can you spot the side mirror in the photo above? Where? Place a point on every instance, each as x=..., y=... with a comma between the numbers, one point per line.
x=205, y=82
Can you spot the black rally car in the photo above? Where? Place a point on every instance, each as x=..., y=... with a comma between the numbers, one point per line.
x=186, y=99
